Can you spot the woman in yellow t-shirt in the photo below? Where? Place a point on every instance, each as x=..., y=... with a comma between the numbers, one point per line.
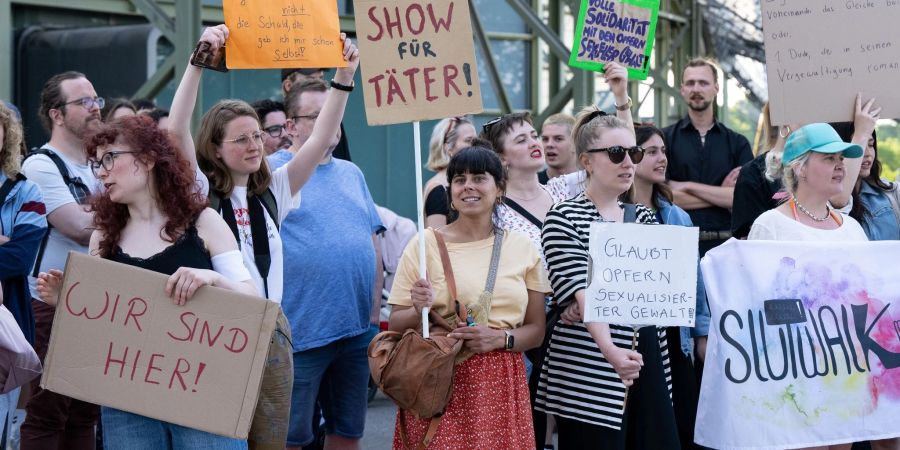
x=489, y=407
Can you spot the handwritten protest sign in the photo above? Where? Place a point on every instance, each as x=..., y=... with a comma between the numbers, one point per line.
x=619, y=31
x=815, y=70
x=273, y=34
x=418, y=60
x=642, y=275
x=119, y=341
x=804, y=349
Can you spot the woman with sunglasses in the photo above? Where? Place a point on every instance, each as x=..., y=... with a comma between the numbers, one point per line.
x=489, y=407
x=590, y=407
x=448, y=137
x=650, y=190
x=254, y=201
x=150, y=216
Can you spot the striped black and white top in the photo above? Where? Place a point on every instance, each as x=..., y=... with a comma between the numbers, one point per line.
x=577, y=382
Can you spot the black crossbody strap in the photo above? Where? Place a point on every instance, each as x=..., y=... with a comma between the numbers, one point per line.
x=523, y=212
x=262, y=257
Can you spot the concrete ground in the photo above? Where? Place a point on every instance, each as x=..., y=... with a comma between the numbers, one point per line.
x=379, y=433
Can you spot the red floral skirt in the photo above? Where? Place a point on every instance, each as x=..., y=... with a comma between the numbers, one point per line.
x=489, y=408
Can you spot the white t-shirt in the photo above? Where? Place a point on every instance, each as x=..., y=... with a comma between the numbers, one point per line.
x=773, y=225
x=281, y=189
x=41, y=171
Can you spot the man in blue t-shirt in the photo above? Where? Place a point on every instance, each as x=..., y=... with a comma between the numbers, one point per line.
x=332, y=274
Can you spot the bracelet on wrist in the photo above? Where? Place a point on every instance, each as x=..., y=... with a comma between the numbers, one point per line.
x=625, y=106
x=342, y=87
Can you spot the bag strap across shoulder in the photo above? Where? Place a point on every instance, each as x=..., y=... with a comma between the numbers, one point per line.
x=445, y=261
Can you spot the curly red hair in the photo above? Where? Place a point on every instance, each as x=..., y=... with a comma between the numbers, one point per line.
x=173, y=179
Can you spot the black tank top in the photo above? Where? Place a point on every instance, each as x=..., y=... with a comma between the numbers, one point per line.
x=187, y=251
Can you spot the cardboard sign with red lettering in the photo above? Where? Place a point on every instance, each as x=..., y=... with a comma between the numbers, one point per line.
x=418, y=60
x=119, y=341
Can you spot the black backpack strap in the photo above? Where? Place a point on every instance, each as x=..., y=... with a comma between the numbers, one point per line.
x=630, y=213
x=523, y=212
x=80, y=191
x=262, y=257
x=268, y=201
x=215, y=201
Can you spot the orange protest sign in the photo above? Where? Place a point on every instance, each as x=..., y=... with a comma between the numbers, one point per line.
x=282, y=34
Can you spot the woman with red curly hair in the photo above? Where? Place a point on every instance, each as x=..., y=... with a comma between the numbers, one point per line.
x=150, y=216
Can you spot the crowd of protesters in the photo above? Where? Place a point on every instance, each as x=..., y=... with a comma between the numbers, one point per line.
x=262, y=199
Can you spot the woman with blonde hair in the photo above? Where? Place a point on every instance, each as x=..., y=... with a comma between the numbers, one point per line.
x=448, y=137
x=589, y=367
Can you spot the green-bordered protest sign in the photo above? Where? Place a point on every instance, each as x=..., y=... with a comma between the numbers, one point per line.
x=619, y=31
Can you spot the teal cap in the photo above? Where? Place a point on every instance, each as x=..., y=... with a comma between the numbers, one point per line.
x=820, y=138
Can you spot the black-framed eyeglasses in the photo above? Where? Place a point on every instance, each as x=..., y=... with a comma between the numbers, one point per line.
x=312, y=117
x=617, y=153
x=87, y=102
x=486, y=128
x=244, y=140
x=107, y=161
x=274, y=130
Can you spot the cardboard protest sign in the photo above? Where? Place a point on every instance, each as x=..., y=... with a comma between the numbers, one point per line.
x=273, y=34
x=815, y=69
x=418, y=60
x=619, y=31
x=119, y=341
x=804, y=344
x=642, y=275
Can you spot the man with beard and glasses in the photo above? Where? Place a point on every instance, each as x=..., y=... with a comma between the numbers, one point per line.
x=271, y=121
x=70, y=111
x=705, y=156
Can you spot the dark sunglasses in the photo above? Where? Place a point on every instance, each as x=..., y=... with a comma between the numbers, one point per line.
x=617, y=153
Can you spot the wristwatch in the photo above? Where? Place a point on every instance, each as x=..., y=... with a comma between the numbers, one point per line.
x=624, y=107
x=510, y=340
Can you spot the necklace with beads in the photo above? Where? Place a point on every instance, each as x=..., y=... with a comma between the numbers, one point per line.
x=809, y=214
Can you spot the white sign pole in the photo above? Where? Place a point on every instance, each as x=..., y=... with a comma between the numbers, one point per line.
x=420, y=213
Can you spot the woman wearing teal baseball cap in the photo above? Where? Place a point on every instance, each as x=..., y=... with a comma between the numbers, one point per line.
x=813, y=166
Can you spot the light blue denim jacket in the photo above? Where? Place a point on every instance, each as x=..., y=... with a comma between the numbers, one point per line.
x=670, y=214
x=879, y=222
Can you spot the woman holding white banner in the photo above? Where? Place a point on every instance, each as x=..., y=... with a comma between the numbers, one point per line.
x=150, y=216
x=813, y=172
x=489, y=407
x=589, y=367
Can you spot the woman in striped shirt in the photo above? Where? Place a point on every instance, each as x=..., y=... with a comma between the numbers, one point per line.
x=588, y=367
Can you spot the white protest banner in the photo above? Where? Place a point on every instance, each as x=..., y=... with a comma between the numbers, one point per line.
x=119, y=341
x=804, y=344
x=820, y=53
x=642, y=275
x=418, y=60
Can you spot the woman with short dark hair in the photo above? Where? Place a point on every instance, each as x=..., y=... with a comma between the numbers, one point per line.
x=489, y=407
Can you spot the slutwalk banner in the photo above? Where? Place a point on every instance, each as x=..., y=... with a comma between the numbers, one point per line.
x=804, y=344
